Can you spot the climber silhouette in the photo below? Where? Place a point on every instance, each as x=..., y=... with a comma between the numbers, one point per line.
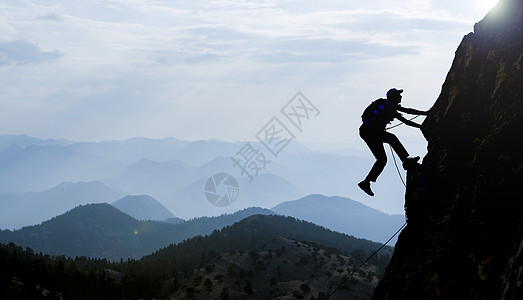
x=375, y=118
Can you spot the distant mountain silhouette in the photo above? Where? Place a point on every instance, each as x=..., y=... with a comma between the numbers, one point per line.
x=24, y=140
x=133, y=149
x=93, y=230
x=39, y=167
x=174, y=220
x=180, y=186
x=266, y=190
x=158, y=179
x=101, y=230
x=256, y=230
x=18, y=210
x=174, y=172
x=343, y=215
x=143, y=207
x=206, y=225
x=192, y=152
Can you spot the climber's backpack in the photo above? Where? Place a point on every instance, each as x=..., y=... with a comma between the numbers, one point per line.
x=379, y=112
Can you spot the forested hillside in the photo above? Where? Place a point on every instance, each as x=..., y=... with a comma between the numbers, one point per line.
x=165, y=272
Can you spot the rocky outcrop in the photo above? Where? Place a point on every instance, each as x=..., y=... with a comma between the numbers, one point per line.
x=464, y=204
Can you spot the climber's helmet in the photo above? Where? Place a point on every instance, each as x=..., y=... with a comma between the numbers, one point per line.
x=394, y=95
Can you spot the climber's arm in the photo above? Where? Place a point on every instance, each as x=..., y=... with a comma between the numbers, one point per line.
x=408, y=122
x=411, y=111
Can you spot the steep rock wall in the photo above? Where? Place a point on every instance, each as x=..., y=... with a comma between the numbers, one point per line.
x=464, y=204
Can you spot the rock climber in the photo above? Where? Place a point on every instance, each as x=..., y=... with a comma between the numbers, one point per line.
x=375, y=118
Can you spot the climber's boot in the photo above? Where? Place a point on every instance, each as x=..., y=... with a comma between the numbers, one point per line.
x=410, y=162
x=365, y=186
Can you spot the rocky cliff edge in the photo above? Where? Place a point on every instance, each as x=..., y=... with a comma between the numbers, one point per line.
x=464, y=204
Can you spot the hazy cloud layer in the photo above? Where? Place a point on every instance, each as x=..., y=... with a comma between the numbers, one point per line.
x=24, y=52
x=217, y=69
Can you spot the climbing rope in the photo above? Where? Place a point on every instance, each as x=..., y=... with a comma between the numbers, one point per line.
x=401, y=228
x=392, y=152
x=363, y=263
x=401, y=123
x=397, y=169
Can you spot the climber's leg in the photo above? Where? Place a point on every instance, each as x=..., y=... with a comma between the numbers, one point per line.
x=374, y=140
x=398, y=147
x=395, y=143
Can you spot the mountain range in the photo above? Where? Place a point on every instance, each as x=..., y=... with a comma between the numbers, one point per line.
x=174, y=172
x=103, y=231
x=144, y=207
x=114, y=231
x=259, y=256
x=262, y=255
x=31, y=208
x=343, y=215
x=336, y=213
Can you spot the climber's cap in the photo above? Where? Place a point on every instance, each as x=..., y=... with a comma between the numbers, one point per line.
x=393, y=93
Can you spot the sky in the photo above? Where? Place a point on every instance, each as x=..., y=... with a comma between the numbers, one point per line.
x=115, y=69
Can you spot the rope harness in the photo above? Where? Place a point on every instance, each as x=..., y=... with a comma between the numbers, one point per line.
x=398, y=231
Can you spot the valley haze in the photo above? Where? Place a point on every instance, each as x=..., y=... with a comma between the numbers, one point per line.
x=174, y=172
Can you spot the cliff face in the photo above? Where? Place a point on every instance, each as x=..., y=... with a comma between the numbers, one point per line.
x=464, y=204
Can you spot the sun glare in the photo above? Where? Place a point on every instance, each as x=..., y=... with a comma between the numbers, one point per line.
x=487, y=5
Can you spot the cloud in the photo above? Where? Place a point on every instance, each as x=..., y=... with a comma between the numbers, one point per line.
x=330, y=50
x=52, y=17
x=20, y=52
x=202, y=58
x=158, y=68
